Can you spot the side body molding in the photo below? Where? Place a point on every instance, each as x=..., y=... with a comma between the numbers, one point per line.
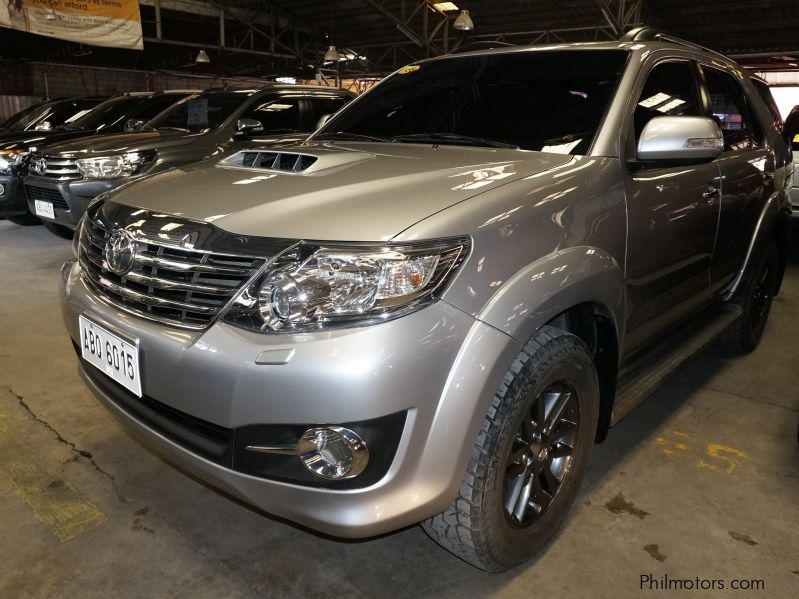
x=553, y=284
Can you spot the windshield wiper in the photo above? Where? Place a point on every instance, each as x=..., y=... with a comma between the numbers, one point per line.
x=453, y=138
x=350, y=136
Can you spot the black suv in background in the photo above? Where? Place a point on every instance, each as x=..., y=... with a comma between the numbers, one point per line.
x=49, y=114
x=111, y=116
x=64, y=178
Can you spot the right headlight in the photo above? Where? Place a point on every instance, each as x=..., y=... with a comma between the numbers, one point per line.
x=119, y=165
x=324, y=286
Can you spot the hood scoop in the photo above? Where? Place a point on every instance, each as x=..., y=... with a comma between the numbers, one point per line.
x=287, y=162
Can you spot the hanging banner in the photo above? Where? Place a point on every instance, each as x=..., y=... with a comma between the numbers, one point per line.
x=114, y=23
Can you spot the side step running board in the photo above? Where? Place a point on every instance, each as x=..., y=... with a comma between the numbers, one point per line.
x=655, y=366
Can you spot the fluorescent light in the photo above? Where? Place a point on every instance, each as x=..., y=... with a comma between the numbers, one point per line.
x=291, y=80
x=445, y=6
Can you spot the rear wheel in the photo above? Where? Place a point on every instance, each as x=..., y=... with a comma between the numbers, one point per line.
x=755, y=299
x=60, y=230
x=529, y=457
x=25, y=220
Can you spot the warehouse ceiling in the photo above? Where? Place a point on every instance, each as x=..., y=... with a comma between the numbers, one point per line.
x=268, y=38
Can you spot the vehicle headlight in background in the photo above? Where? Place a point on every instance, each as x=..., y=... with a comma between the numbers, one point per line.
x=9, y=158
x=111, y=167
x=325, y=286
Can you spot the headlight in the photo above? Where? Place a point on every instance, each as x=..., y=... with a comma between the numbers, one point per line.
x=111, y=167
x=320, y=287
x=9, y=158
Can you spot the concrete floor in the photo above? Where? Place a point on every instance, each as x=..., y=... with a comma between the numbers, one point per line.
x=701, y=481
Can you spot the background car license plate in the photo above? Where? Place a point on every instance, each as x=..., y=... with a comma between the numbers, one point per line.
x=116, y=357
x=43, y=209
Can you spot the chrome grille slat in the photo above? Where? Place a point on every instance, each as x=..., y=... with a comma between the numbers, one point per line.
x=152, y=300
x=58, y=167
x=181, y=287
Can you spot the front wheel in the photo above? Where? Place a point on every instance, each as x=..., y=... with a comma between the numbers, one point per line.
x=755, y=299
x=529, y=457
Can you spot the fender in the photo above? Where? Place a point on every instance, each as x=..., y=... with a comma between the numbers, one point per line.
x=553, y=284
x=769, y=219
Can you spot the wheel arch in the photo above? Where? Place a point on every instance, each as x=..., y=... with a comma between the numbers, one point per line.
x=580, y=290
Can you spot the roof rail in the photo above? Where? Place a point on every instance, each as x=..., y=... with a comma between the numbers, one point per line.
x=649, y=34
x=482, y=45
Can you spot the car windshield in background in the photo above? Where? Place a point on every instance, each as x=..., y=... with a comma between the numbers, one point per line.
x=109, y=116
x=199, y=113
x=21, y=120
x=551, y=101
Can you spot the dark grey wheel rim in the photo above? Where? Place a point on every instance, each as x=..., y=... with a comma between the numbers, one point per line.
x=541, y=455
x=761, y=300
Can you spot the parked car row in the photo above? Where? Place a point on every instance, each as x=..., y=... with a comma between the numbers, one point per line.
x=53, y=163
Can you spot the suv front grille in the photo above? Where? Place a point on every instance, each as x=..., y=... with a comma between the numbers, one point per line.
x=180, y=287
x=55, y=167
x=46, y=194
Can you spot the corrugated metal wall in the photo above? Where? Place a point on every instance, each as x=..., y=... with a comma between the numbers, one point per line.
x=11, y=105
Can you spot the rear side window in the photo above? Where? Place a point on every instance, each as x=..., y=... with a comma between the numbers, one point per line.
x=670, y=90
x=277, y=116
x=765, y=93
x=729, y=108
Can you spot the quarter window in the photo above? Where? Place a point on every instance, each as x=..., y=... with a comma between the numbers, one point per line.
x=729, y=108
x=670, y=90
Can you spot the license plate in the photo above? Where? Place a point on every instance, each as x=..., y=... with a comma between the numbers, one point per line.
x=43, y=209
x=117, y=358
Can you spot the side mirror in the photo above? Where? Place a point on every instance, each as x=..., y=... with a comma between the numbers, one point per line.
x=680, y=138
x=132, y=125
x=323, y=119
x=44, y=126
x=248, y=126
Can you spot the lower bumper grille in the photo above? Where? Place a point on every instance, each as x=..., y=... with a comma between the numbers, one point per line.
x=46, y=194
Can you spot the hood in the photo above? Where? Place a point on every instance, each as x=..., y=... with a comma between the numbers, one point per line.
x=36, y=140
x=103, y=145
x=353, y=192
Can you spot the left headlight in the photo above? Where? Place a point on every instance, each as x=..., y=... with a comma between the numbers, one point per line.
x=317, y=287
x=9, y=158
x=111, y=167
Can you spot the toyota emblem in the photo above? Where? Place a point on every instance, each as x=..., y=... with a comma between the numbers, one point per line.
x=120, y=251
x=40, y=166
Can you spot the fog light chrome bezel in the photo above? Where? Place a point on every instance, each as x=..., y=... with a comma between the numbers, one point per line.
x=310, y=455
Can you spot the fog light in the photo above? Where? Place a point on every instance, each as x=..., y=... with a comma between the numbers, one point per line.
x=333, y=452
x=2, y=189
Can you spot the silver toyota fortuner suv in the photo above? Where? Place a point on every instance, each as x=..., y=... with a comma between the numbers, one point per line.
x=431, y=310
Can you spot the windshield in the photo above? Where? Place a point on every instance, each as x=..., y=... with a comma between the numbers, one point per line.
x=551, y=101
x=199, y=113
x=109, y=117
x=23, y=119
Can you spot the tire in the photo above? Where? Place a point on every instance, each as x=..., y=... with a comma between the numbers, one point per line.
x=482, y=526
x=24, y=220
x=59, y=230
x=755, y=300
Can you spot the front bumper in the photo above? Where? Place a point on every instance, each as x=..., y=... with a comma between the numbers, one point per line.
x=69, y=198
x=12, y=198
x=438, y=366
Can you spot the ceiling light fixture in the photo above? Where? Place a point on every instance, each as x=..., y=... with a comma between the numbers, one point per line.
x=332, y=55
x=463, y=22
x=202, y=57
x=445, y=6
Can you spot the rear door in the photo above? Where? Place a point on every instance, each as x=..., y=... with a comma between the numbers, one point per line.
x=672, y=213
x=747, y=170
